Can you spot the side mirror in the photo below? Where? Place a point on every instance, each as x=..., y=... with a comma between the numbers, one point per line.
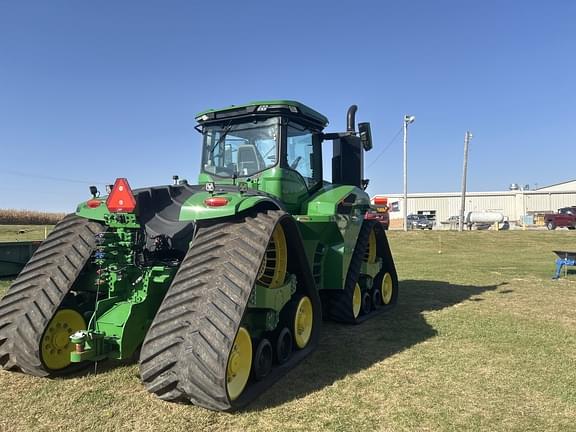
x=365, y=135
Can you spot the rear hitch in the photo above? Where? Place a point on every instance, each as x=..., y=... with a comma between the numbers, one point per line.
x=88, y=345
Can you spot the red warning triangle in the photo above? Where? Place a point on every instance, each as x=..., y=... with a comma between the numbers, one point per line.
x=121, y=198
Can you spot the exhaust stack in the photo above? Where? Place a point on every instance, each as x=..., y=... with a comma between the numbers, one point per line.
x=351, y=118
x=347, y=157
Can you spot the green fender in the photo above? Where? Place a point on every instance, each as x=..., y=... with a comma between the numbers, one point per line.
x=195, y=207
x=329, y=198
x=96, y=213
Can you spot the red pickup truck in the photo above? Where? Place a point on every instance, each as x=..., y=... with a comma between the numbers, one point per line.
x=379, y=211
x=566, y=217
x=380, y=216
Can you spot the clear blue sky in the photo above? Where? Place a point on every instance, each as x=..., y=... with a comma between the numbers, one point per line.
x=90, y=91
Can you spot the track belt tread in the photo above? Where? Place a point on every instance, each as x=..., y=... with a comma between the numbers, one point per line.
x=340, y=302
x=36, y=294
x=197, y=345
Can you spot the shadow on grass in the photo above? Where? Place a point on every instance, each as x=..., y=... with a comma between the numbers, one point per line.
x=346, y=349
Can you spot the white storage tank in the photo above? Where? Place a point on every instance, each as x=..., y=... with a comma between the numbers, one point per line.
x=484, y=217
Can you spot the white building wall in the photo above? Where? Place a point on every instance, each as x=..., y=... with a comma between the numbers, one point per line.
x=512, y=204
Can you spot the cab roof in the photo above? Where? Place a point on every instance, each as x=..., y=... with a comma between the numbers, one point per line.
x=291, y=107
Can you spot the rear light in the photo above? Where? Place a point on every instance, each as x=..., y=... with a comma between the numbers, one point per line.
x=380, y=201
x=216, y=201
x=121, y=199
x=93, y=203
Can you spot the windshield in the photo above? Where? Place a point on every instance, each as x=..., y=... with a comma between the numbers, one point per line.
x=240, y=149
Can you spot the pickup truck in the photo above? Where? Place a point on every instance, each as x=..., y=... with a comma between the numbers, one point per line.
x=379, y=215
x=566, y=217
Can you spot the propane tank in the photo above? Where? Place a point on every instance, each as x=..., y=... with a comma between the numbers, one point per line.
x=484, y=217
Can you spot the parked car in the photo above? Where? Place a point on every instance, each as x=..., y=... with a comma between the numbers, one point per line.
x=565, y=217
x=419, y=222
x=381, y=216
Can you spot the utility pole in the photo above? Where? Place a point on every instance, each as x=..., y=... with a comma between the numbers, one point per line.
x=467, y=139
x=407, y=120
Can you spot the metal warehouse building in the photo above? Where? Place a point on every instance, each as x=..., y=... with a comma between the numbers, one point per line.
x=517, y=205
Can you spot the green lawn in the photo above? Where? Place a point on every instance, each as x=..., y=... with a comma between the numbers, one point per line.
x=24, y=232
x=482, y=339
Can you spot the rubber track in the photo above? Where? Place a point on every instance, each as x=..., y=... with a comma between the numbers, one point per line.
x=340, y=302
x=36, y=294
x=185, y=353
x=384, y=253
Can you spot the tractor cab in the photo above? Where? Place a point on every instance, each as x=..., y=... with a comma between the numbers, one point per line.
x=276, y=147
x=265, y=144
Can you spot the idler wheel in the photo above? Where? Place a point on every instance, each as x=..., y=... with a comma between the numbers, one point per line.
x=263, y=359
x=283, y=345
x=366, y=303
x=376, y=298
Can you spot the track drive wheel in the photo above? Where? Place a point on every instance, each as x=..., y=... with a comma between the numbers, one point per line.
x=371, y=250
x=272, y=270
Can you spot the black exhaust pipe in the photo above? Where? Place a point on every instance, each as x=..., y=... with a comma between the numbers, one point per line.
x=351, y=116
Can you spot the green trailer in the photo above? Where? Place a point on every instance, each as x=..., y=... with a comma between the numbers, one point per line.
x=15, y=255
x=217, y=288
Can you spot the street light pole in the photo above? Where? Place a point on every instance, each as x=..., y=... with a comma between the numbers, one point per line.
x=407, y=120
x=467, y=139
x=523, y=189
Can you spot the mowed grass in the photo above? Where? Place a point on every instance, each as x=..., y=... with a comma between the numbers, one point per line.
x=24, y=232
x=482, y=339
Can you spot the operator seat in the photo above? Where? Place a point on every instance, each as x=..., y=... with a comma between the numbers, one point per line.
x=249, y=160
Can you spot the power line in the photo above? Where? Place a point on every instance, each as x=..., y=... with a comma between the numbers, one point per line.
x=60, y=179
x=386, y=148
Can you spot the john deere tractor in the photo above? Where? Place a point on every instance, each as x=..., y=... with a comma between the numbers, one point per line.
x=218, y=288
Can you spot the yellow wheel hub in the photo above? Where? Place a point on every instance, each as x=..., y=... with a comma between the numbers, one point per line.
x=356, y=301
x=239, y=364
x=303, y=322
x=272, y=271
x=370, y=256
x=386, y=288
x=55, y=344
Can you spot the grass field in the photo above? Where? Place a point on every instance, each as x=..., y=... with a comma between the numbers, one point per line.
x=482, y=339
x=24, y=232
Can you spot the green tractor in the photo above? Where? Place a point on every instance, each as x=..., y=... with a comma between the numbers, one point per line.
x=218, y=289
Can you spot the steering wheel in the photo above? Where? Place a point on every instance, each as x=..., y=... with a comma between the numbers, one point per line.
x=295, y=163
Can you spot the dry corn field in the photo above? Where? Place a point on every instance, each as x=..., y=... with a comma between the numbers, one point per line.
x=28, y=217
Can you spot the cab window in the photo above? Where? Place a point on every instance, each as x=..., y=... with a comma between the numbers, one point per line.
x=303, y=153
